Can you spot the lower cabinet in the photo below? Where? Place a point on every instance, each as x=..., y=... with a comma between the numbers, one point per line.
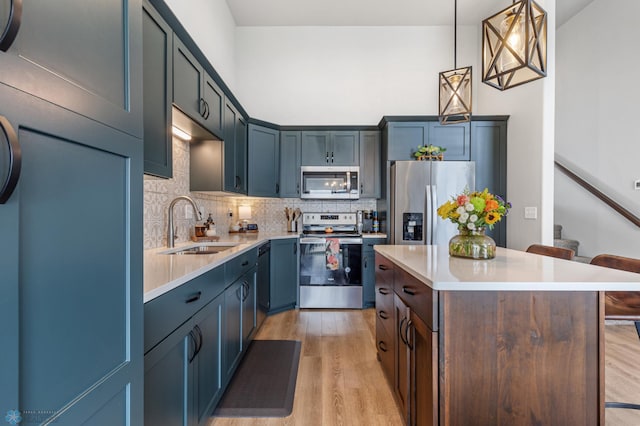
x=182, y=380
x=232, y=330
x=283, y=292
x=249, y=306
x=369, y=270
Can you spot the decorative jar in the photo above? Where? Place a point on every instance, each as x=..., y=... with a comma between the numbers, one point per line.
x=472, y=244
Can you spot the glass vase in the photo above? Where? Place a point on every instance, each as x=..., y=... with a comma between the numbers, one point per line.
x=472, y=244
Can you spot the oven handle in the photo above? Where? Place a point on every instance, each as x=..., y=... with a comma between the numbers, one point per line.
x=321, y=240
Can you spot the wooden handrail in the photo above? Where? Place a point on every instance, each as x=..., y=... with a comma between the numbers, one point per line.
x=601, y=195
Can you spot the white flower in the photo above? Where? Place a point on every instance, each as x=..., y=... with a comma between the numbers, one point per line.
x=469, y=207
x=471, y=226
x=463, y=217
x=473, y=218
x=460, y=210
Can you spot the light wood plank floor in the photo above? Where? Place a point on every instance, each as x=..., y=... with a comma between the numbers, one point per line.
x=340, y=381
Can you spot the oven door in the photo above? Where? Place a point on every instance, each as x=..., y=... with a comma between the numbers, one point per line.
x=331, y=272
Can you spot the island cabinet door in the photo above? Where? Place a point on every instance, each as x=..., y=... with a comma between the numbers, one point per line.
x=423, y=348
x=402, y=382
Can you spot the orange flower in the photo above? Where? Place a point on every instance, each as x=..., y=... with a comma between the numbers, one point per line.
x=491, y=205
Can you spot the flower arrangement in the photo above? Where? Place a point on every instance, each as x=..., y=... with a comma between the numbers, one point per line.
x=430, y=152
x=474, y=210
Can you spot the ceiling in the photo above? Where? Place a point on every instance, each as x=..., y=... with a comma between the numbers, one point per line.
x=376, y=12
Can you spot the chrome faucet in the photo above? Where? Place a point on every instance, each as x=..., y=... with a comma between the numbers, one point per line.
x=171, y=236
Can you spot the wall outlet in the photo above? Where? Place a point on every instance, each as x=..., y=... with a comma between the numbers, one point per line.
x=230, y=213
x=188, y=211
x=637, y=184
x=530, y=212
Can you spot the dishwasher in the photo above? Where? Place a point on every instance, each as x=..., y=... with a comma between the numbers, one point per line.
x=263, y=281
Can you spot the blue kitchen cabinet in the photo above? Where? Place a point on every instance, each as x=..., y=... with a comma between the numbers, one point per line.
x=232, y=338
x=370, y=164
x=290, y=160
x=158, y=94
x=285, y=261
x=83, y=56
x=195, y=93
x=404, y=138
x=71, y=262
x=235, y=150
x=330, y=148
x=455, y=138
x=249, y=306
x=263, y=171
x=369, y=270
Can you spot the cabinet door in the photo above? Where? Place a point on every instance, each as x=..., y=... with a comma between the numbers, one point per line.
x=232, y=341
x=405, y=138
x=344, y=148
x=423, y=346
x=316, y=148
x=230, y=120
x=284, y=274
x=84, y=56
x=214, y=104
x=188, y=75
x=167, y=379
x=489, y=151
x=290, y=158
x=370, y=164
x=402, y=383
x=241, y=155
x=248, y=307
x=264, y=156
x=158, y=81
x=77, y=300
x=207, y=363
x=453, y=137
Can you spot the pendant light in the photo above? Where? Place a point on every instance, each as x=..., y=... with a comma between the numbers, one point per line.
x=514, y=45
x=455, y=87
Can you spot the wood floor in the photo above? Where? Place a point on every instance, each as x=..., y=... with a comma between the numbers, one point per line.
x=340, y=381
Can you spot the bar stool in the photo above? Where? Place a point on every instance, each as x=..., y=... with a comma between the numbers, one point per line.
x=559, y=252
x=621, y=305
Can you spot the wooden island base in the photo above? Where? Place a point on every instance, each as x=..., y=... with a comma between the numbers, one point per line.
x=488, y=357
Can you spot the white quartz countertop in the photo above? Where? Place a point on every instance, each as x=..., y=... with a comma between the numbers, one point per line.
x=163, y=272
x=511, y=270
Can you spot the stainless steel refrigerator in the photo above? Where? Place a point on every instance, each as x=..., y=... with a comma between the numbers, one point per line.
x=418, y=188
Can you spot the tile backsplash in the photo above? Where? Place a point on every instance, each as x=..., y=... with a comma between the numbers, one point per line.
x=268, y=213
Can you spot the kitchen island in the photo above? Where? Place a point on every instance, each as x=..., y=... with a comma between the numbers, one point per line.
x=518, y=339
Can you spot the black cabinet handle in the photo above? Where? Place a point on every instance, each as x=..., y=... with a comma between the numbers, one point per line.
x=407, y=339
x=11, y=30
x=362, y=188
x=193, y=297
x=238, y=181
x=15, y=160
x=295, y=248
x=277, y=188
x=207, y=111
x=408, y=291
x=400, y=332
x=382, y=346
x=202, y=107
x=332, y=156
x=195, y=346
x=366, y=264
x=383, y=267
x=383, y=315
x=245, y=263
x=383, y=290
x=200, y=340
x=326, y=157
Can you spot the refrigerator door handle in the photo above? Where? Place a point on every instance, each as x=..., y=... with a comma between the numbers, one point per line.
x=434, y=213
x=428, y=219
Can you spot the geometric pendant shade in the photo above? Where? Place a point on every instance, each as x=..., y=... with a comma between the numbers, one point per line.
x=455, y=96
x=514, y=45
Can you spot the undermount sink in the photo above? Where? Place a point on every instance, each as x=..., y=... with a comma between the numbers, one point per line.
x=201, y=249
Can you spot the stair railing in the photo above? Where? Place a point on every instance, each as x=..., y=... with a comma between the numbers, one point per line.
x=599, y=194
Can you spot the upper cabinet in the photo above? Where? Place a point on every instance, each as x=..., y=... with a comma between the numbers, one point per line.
x=195, y=92
x=264, y=161
x=157, y=80
x=370, y=164
x=290, y=160
x=408, y=136
x=235, y=150
x=82, y=56
x=330, y=148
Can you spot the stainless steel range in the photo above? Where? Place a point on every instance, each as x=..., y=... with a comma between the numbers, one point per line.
x=330, y=261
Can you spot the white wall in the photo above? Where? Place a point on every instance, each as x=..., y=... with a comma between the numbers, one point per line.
x=212, y=27
x=597, y=130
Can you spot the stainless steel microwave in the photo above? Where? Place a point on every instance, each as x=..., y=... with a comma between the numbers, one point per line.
x=330, y=182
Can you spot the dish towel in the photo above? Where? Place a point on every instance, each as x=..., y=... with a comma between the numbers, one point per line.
x=332, y=252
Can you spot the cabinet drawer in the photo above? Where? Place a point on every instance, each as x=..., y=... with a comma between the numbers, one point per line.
x=240, y=265
x=418, y=296
x=384, y=346
x=166, y=313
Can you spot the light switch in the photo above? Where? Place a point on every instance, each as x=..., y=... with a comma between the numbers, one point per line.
x=188, y=211
x=530, y=212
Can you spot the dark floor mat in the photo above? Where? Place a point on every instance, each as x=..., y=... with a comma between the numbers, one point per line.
x=265, y=382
